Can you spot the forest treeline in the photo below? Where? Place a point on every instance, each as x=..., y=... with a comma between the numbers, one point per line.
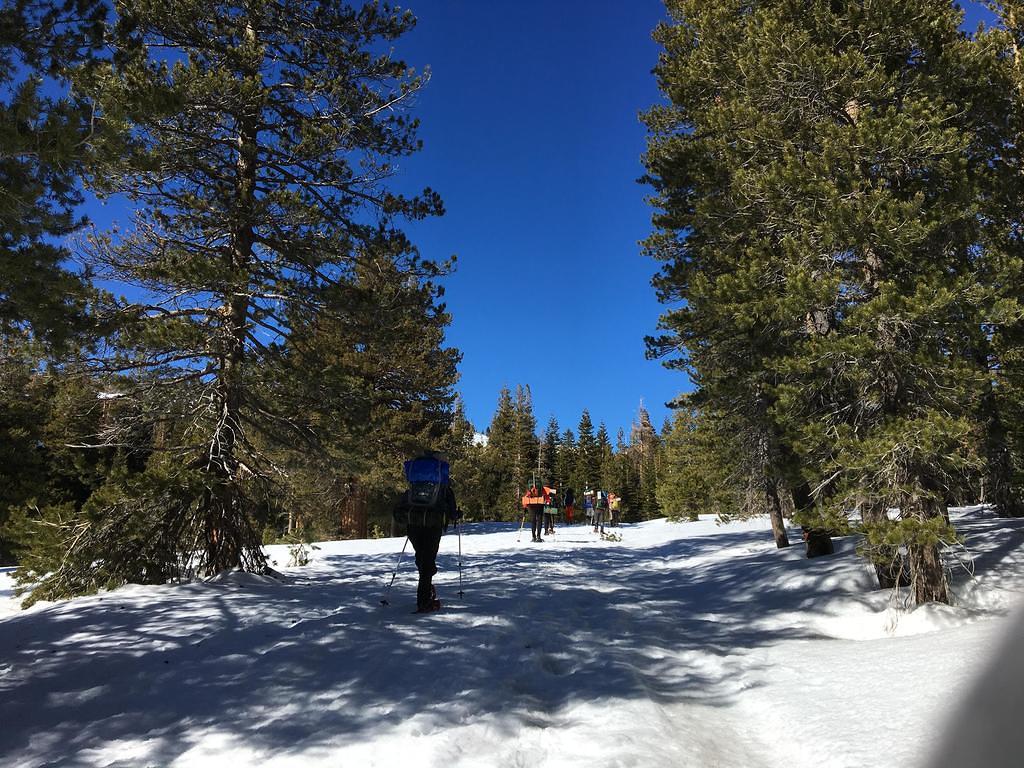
x=491, y=470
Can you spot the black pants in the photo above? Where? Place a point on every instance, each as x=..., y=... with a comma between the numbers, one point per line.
x=538, y=523
x=425, y=543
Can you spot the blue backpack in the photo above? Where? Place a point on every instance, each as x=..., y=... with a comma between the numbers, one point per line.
x=428, y=478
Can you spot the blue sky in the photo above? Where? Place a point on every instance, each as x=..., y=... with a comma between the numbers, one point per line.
x=531, y=135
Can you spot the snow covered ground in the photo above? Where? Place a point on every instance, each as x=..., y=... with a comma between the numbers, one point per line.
x=681, y=645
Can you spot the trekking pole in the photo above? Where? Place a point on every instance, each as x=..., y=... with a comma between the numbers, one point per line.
x=458, y=529
x=521, y=526
x=387, y=589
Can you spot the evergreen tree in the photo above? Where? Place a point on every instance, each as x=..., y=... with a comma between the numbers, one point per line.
x=588, y=463
x=467, y=463
x=605, y=458
x=999, y=331
x=626, y=480
x=565, y=463
x=500, y=465
x=23, y=475
x=527, y=446
x=43, y=303
x=645, y=447
x=815, y=175
x=549, y=454
x=255, y=138
x=42, y=156
x=372, y=413
x=699, y=472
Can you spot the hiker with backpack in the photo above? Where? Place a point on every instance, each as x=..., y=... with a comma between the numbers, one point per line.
x=426, y=508
x=588, y=505
x=550, y=509
x=569, y=500
x=533, y=505
x=600, y=510
x=615, y=508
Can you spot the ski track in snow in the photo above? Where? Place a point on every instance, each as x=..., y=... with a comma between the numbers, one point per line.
x=681, y=645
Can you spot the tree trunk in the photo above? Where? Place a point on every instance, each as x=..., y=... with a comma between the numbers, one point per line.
x=929, y=577
x=927, y=573
x=998, y=462
x=767, y=485
x=775, y=513
x=228, y=528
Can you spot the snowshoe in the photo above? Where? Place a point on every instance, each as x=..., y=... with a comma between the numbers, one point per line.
x=433, y=605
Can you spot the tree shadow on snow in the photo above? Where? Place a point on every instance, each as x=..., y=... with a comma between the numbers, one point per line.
x=318, y=661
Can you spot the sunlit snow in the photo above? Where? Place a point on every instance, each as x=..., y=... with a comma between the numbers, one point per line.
x=687, y=644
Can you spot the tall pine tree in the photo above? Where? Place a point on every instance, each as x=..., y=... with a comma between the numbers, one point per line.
x=816, y=182
x=588, y=461
x=255, y=138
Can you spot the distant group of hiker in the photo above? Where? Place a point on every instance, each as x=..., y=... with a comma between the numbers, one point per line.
x=542, y=504
x=427, y=507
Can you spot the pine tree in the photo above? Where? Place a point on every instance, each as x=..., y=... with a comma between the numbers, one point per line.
x=43, y=303
x=500, y=464
x=699, y=472
x=255, y=139
x=42, y=157
x=715, y=271
x=605, y=458
x=815, y=175
x=588, y=464
x=565, y=463
x=23, y=474
x=467, y=463
x=645, y=447
x=527, y=446
x=626, y=482
x=549, y=454
x=999, y=331
x=371, y=412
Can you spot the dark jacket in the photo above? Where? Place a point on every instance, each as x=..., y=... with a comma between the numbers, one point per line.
x=439, y=515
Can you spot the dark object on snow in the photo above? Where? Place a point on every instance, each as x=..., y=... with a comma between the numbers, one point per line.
x=819, y=542
x=427, y=507
x=433, y=605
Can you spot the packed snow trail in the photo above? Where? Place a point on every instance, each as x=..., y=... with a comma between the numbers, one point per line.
x=681, y=645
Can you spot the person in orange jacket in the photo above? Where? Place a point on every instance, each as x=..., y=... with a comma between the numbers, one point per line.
x=533, y=504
